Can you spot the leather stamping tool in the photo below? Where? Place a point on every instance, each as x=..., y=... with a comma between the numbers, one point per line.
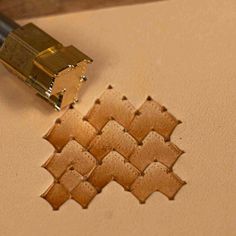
x=54, y=71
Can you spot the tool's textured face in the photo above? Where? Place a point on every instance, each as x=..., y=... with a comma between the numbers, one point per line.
x=114, y=141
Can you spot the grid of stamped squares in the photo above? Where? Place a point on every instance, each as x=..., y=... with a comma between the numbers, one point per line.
x=114, y=141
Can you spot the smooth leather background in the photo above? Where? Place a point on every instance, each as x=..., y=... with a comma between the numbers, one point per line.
x=183, y=53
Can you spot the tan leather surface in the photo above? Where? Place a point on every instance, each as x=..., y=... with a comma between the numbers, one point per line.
x=187, y=62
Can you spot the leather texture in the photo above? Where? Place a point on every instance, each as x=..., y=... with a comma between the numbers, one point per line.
x=113, y=142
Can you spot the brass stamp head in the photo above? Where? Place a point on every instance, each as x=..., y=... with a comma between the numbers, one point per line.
x=55, y=71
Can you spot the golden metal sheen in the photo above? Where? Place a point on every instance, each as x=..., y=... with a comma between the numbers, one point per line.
x=55, y=71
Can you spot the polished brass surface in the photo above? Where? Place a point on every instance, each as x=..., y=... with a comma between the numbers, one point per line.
x=55, y=71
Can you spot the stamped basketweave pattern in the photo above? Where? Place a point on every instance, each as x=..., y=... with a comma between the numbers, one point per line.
x=113, y=142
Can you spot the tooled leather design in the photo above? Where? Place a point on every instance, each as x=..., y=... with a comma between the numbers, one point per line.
x=113, y=142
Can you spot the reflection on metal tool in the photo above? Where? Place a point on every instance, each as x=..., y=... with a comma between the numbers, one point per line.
x=55, y=71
